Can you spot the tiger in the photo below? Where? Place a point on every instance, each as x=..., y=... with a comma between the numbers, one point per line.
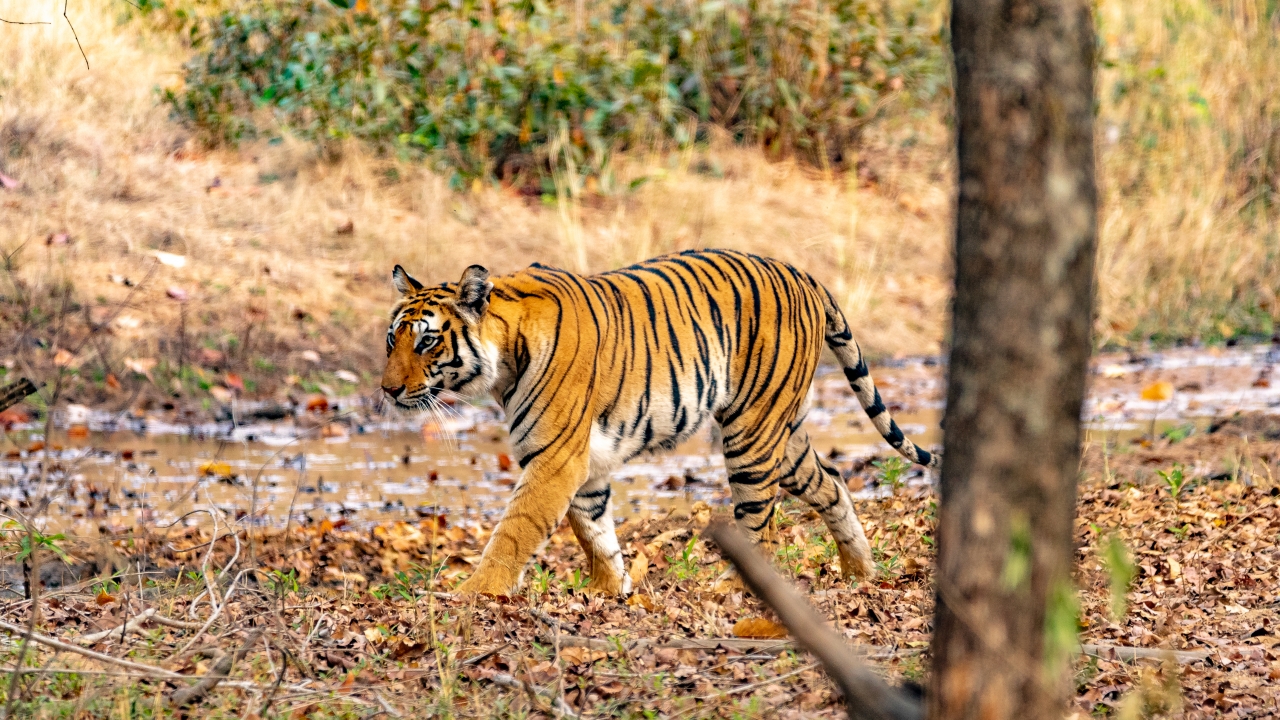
x=593, y=370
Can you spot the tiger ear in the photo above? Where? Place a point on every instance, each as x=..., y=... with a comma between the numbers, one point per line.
x=403, y=282
x=473, y=292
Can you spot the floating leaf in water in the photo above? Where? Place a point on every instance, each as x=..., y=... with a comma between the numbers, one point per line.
x=1158, y=391
x=219, y=469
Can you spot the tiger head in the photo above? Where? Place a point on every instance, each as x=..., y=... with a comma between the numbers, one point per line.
x=434, y=344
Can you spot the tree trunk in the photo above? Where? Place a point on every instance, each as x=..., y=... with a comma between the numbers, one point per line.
x=1025, y=236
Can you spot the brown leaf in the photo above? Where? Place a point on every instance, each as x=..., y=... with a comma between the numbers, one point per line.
x=758, y=628
x=639, y=569
x=642, y=600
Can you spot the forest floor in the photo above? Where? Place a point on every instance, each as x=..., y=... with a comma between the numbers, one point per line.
x=1177, y=558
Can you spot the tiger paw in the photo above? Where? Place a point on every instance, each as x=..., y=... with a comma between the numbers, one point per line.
x=855, y=566
x=485, y=583
x=608, y=585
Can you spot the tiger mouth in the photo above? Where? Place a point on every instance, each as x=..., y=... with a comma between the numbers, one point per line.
x=420, y=400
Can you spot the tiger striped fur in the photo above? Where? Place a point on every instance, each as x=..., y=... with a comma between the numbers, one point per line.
x=593, y=371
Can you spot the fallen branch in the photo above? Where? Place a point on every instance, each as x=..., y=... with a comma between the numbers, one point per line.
x=67, y=647
x=1133, y=654
x=514, y=683
x=216, y=674
x=178, y=624
x=772, y=647
x=865, y=694
x=755, y=685
x=120, y=630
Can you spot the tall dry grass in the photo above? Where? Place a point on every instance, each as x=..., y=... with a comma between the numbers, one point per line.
x=1189, y=140
x=1188, y=156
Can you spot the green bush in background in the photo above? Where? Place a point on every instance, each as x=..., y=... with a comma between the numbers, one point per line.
x=510, y=88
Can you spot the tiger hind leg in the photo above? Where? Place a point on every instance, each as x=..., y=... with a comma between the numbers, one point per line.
x=591, y=517
x=808, y=476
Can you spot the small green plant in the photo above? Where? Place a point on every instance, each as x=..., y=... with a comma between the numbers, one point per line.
x=685, y=566
x=1181, y=532
x=577, y=581
x=1174, y=480
x=792, y=557
x=1120, y=569
x=23, y=541
x=886, y=564
x=403, y=585
x=1179, y=433
x=280, y=583
x=541, y=580
x=893, y=472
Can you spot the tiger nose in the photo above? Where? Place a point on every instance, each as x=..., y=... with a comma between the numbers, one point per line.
x=393, y=392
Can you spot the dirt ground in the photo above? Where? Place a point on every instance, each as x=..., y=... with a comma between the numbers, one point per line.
x=354, y=620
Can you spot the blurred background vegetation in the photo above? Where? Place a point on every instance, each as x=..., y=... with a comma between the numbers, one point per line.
x=513, y=89
x=291, y=152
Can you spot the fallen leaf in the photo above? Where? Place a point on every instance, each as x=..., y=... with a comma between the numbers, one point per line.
x=63, y=358
x=639, y=568
x=758, y=628
x=233, y=381
x=176, y=293
x=112, y=381
x=221, y=394
x=310, y=356
x=504, y=462
x=642, y=600
x=58, y=239
x=102, y=598
x=581, y=655
x=8, y=183
x=347, y=376
x=317, y=404
x=345, y=228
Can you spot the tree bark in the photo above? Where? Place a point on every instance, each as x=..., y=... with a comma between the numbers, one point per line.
x=1025, y=239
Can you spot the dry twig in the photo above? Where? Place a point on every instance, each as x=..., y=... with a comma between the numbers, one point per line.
x=216, y=674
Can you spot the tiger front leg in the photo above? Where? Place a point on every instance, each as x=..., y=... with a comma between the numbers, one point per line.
x=538, y=503
x=591, y=516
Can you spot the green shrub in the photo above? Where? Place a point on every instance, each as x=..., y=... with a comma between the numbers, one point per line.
x=508, y=88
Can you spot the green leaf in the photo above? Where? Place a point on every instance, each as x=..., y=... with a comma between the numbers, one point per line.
x=344, y=4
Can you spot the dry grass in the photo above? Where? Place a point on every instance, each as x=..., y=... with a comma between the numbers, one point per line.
x=1188, y=224
x=1190, y=169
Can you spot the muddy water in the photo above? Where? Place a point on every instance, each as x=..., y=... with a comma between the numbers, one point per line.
x=121, y=471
